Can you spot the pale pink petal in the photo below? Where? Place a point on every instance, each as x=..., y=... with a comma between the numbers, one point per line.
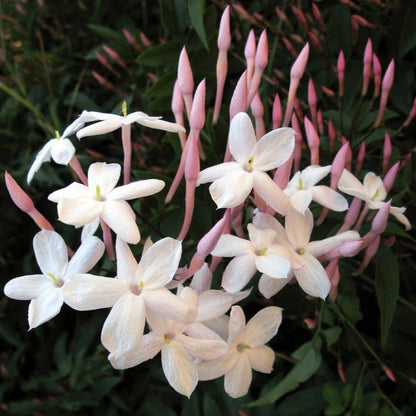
x=88, y=230
x=298, y=228
x=45, y=307
x=213, y=173
x=103, y=175
x=238, y=273
x=230, y=246
x=273, y=149
x=62, y=151
x=273, y=265
x=159, y=263
x=397, y=212
x=79, y=212
x=329, y=198
x=319, y=248
x=313, y=278
x=262, y=326
x=120, y=218
x=270, y=192
x=261, y=359
x=301, y=199
x=73, y=191
x=311, y=175
x=263, y=220
x=213, y=303
x=149, y=347
x=157, y=123
x=137, y=189
x=101, y=127
x=242, y=138
x=180, y=372
x=126, y=263
x=27, y=287
x=85, y=292
x=232, y=189
x=260, y=238
x=238, y=379
x=43, y=155
x=236, y=323
x=350, y=185
x=209, y=370
x=86, y=257
x=88, y=116
x=201, y=331
x=269, y=286
x=204, y=349
x=374, y=187
x=123, y=329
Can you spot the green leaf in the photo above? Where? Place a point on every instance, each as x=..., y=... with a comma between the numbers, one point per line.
x=196, y=12
x=105, y=32
x=161, y=54
x=332, y=335
x=350, y=305
x=387, y=288
x=408, y=34
x=309, y=362
x=173, y=16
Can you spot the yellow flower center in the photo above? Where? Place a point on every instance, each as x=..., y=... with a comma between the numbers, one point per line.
x=302, y=251
x=250, y=162
x=242, y=347
x=263, y=251
x=124, y=108
x=57, y=135
x=300, y=183
x=98, y=192
x=55, y=279
x=375, y=194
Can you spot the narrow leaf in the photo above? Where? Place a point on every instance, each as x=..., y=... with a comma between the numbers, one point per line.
x=196, y=11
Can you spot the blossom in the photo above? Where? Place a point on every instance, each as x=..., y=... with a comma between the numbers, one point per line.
x=295, y=236
x=259, y=253
x=233, y=181
x=372, y=191
x=107, y=122
x=46, y=290
x=60, y=149
x=136, y=289
x=302, y=190
x=79, y=204
x=246, y=350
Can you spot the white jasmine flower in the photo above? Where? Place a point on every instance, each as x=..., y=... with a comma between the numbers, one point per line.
x=79, y=204
x=302, y=190
x=45, y=291
x=372, y=191
x=246, y=350
x=233, y=181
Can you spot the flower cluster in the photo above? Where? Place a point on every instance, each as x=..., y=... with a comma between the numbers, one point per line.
x=158, y=304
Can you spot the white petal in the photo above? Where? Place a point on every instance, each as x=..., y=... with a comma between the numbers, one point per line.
x=43, y=155
x=85, y=292
x=87, y=116
x=209, y=370
x=27, y=287
x=232, y=189
x=120, y=218
x=101, y=127
x=213, y=173
x=313, y=278
x=126, y=263
x=301, y=199
x=263, y=220
x=273, y=265
x=262, y=326
x=103, y=175
x=137, y=189
x=236, y=323
x=204, y=349
x=86, y=257
x=45, y=307
x=62, y=151
x=238, y=379
x=269, y=286
x=73, y=191
x=398, y=214
x=89, y=229
x=180, y=372
x=374, y=187
x=156, y=123
x=298, y=228
x=313, y=174
x=123, y=329
x=213, y=303
x=51, y=253
x=319, y=248
x=350, y=185
x=273, y=149
x=230, y=246
x=270, y=192
x=260, y=238
x=238, y=273
x=77, y=124
x=327, y=197
x=149, y=347
x=159, y=263
x=261, y=359
x=242, y=138
x=79, y=212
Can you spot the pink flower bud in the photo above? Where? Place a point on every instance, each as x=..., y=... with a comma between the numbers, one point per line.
x=327, y=91
x=390, y=177
x=368, y=55
x=300, y=17
x=379, y=222
x=281, y=14
x=320, y=122
x=315, y=41
x=224, y=36
x=276, y=111
x=313, y=141
x=338, y=164
x=377, y=75
x=332, y=135
x=250, y=53
x=341, y=73
x=197, y=117
x=385, y=90
x=313, y=101
x=20, y=198
x=260, y=63
x=317, y=15
x=258, y=113
x=389, y=373
x=411, y=115
x=239, y=98
x=297, y=154
x=132, y=40
x=210, y=239
x=341, y=372
x=185, y=80
x=289, y=47
x=360, y=159
x=386, y=153
x=115, y=56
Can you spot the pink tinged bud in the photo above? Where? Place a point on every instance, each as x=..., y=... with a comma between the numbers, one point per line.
x=317, y=15
x=351, y=215
x=321, y=128
x=328, y=91
x=368, y=55
x=386, y=153
x=281, y=14
x=313, y=141
x=377, y=75
x=276, y=112
x=132, y=40
x=300, y=17
x=348, y=158
x=224, y=36
x=296, y=73
x=350, y=4
x=369, y=254
x=290, y=47
x=389, y=373
x=210, y=239
x=360, y=159
x=197, y=118
x=388, y=180
x=411, y=115
x=360, y=21
x=310, y=323
x=177, y=107
x=341, y=372
x=103, y=61
x=297, y=154
x=341, y=73
x=315, y=41
x=338, y=164
x=313, y=101
x=145, y=40
x=260, y=63
x=390, y=240
x=350, y=248
x=385, y=90
x=258, y=113
x=185, y=80
x=115, y=56
x=298, y=109
x=239, y=98
x=379, y=222
x=405, y=160
x=250, y=54
x=243, y=13
x=332, y=135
